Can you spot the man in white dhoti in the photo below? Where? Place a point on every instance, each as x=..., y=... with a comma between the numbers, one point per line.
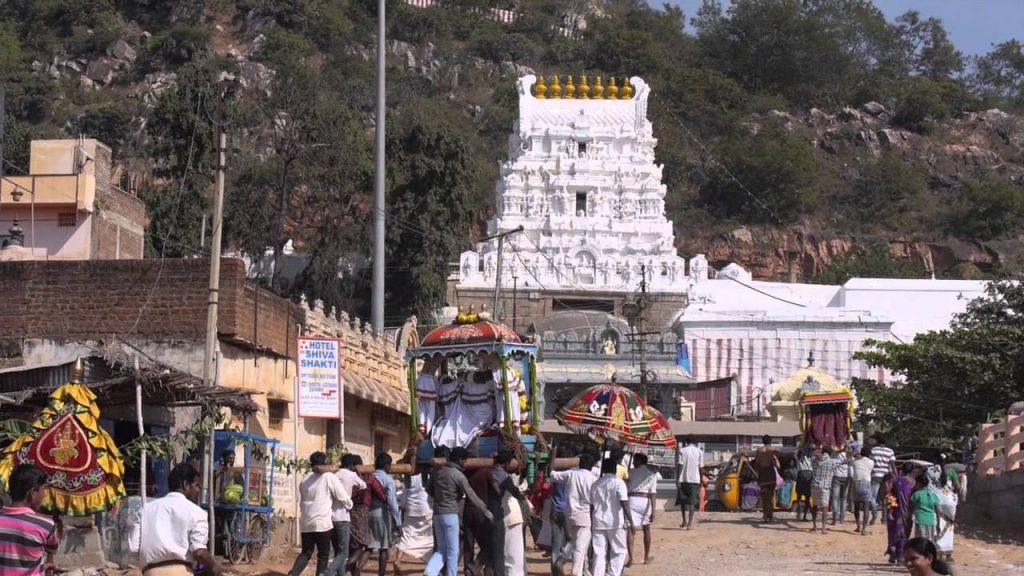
x=578, y=482
x=643, y=491
x=417, y=540
x=609, y=501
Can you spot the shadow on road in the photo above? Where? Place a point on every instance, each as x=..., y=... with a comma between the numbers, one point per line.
x=863, y=567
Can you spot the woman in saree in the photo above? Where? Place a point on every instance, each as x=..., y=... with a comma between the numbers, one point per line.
x=944, y=487
x=898, y=512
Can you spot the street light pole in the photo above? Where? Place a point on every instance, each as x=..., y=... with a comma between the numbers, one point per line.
x=377, y=301
x=642, y=326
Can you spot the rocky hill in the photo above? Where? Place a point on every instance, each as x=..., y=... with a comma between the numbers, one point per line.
x=813, y=133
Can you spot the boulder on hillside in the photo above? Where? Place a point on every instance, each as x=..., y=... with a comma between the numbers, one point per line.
x=874, y=108
x=848, y=114
x=122, y=51
x=817, y=117
x=256, y=45
x=894, y=138
x=742, y=235
x=256, y=75
x=101, y=70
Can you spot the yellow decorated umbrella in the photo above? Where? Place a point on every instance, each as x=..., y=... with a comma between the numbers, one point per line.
x=84, y=469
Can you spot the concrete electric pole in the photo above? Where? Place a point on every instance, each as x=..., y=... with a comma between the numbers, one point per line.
x=377, y=303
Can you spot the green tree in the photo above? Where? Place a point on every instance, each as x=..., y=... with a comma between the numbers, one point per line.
x=109, y=124
x=184, y=139
x=310, y=181
x=947, y=382
x=999, y=75
x=873, y=262
x=989, y=210
x=817, y=52
x=884, y=195
x=927, y=49
x=11, y=53
x=767, y=177
x=926, y=102
x=432, y=179
x=174, y=47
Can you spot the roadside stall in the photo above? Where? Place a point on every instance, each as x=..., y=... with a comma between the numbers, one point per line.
x=245, y=505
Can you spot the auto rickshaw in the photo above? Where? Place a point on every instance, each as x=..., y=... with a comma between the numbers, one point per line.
x=732, y=475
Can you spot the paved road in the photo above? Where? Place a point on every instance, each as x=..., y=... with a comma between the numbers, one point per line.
x=734, y=544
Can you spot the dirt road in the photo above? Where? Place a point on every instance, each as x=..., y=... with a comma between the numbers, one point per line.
x=735, y=544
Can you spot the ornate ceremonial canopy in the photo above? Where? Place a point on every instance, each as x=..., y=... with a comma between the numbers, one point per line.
x=84, y=469
x=616, y=413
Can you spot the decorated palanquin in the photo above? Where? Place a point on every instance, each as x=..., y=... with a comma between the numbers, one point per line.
x=612, y=412
x=823, y=407
x=84, y=469
x=471, y=382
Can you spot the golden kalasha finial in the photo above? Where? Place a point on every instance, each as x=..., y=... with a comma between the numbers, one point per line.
x=570, y=88
x=583, y=90
x=597, y=91
x=627, y=90
x=78, y=372
x=612, y=91
x=556, y=89
x=540, y=89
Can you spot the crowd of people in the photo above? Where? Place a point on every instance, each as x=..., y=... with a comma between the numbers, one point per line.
x=587, y=516
x=911, y=498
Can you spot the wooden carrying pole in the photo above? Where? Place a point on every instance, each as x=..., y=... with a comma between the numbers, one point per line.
x=471, y=464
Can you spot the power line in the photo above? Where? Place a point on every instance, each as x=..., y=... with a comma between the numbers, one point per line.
x=174, y=215
x=768, y=294
x=707, y=154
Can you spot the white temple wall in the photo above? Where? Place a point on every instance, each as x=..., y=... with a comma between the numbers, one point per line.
x=763, y=352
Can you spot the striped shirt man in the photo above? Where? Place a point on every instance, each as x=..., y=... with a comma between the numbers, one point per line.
x=883, y=457
x=26, y=539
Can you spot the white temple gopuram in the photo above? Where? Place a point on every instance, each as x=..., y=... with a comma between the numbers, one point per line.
x=582, y=181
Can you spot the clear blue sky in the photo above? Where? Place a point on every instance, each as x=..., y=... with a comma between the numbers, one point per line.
x=973, y=25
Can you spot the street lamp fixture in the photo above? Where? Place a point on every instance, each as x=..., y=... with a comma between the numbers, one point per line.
x=16, y=194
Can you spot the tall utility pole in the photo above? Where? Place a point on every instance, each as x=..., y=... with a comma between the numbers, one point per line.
x=213, y=298
x=642, y=328
x=497, y=274
x=209, y=367
x=515, y=302
x=377, y=312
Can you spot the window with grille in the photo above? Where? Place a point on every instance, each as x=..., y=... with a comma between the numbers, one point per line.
x=277, y=412
x=67, y=220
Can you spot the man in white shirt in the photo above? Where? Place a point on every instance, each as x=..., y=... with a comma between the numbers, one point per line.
x=578, y=482
x=172, y=533
x=340, y=517
x=318, y=492
x=609, y=501
x=690, y=460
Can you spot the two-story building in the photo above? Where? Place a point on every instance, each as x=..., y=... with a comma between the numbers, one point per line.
x=68, y=207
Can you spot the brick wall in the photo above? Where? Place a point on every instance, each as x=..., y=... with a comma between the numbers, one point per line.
x=119, y=224
x=94, y=300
